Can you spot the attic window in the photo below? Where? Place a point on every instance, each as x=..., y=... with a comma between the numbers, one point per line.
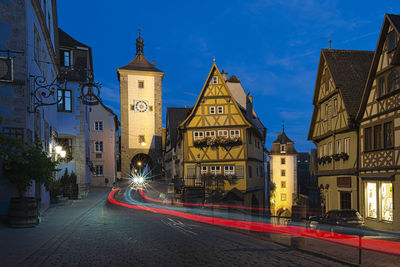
x=215, y=80
x=391, y=41
x=393, y=81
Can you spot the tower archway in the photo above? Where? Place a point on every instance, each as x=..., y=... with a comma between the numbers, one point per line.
x=141, y=163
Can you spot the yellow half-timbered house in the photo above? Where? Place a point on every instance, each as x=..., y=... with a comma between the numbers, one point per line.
x=379, y=117
x=339, y=86
x=223, y=142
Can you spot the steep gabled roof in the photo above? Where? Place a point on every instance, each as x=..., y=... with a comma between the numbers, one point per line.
x=349, y=70
x=282, y=139
x=389, y=19
x=66, y=40
x=213, y=67
x=174, y=117
x=140, y=63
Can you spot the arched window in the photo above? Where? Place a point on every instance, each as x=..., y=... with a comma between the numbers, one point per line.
x=393, y=81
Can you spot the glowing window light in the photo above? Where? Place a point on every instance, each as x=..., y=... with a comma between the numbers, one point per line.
x=63, y=153
x=58, y=149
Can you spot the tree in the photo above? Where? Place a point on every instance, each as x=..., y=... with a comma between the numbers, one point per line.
x=25, y=162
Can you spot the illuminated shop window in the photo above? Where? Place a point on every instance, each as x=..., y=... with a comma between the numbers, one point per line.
x=387, y=201
x=371, y=200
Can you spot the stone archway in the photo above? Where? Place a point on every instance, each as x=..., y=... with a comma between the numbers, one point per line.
x=141, y=163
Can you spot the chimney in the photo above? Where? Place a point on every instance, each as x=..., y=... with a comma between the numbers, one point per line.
x=224, y=75
x=251, y=99
x=278, y=133
x=153, y=62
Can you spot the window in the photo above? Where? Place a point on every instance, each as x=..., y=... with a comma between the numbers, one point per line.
x=220, y=109
x=391, y=41
x=283, y=161
x=215, y=169
x=283, y=148
x=203, y=170
x=381, y=87
x=371, y=200
x=98, y=146
x=330, y=148
x=249, y=135
x=257, y=174
x=36, y=45
x=66, y=58
x=368, y=139
x=65, y=104
x=223, y=133
x=377, y=136
x=388, y=134
x=347, y=146
x=283, y=172
x=98, y=125
x=141, y=84
x=326, y=111
x=283, y=184
x=283, y=197
x=17, y=133
x=250, y=172
x=393, y=81
x=235, y=133
x=386, y=201
x=142, y=139
x=229, y=170
x=198, y=135
x=99, y=170
x=215, y=80
x=345, y=200
x=335, y=107
x=212, y=110
x=210, y=134
x=338, y=146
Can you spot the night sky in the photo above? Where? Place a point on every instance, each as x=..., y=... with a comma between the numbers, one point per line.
x=272, y=46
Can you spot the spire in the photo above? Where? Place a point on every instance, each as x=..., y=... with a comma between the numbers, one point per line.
x=283, y=126
x=139, y=44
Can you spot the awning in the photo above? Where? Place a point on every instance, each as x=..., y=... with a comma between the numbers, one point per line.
x=378, y=176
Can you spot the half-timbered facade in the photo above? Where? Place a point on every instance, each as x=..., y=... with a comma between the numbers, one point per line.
x=379, y=117
x=340, y=81
x=223, y=141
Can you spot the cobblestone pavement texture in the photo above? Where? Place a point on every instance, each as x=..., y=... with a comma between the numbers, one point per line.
x=109, y=235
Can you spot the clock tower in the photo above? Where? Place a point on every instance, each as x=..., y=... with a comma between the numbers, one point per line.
x=141, y=114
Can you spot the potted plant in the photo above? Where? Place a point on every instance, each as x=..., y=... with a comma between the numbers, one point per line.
x=24, y=163
x=336, y=157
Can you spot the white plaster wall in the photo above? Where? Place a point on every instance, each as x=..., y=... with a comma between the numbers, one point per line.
x=141, y=123
x=291, y=179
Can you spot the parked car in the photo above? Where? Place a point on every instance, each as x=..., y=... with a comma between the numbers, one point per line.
x=347, y=221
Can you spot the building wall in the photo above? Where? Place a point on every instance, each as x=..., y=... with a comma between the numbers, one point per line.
x=20, y=21
x=148, y=123
x=290, y=178
x=108, y=136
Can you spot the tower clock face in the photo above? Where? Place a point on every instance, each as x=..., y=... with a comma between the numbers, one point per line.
x=141, y=106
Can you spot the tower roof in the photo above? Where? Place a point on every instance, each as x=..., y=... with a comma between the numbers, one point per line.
x=140, y=62
x=283, y=140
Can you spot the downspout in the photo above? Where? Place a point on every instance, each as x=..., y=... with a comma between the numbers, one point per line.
x=358, y=165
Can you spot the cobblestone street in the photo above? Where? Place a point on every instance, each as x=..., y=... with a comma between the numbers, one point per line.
x=108, y=235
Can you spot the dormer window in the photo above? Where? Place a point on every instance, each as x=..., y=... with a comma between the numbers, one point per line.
x=283, y=148
x=66, y=58
x=215, y=80
x=393, y=81
x=391, y=41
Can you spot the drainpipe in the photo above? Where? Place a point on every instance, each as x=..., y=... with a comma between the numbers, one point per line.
x=357, y=166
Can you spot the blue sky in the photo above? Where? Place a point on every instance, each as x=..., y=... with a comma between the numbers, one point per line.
x=273, y=46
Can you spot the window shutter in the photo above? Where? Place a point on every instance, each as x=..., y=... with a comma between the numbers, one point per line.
x=239, y=171
x=191, y=171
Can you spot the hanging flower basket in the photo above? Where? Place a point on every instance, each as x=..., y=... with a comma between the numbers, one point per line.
x=344, y=156
x=336, y=157
x=217, y=141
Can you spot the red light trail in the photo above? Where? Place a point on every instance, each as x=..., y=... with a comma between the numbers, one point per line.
x=196, y=204
x=383, y=246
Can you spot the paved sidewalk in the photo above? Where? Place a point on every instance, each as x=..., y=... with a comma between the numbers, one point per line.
x=18, y=244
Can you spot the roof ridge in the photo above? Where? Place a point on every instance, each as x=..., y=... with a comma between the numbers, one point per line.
x=350, y=51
